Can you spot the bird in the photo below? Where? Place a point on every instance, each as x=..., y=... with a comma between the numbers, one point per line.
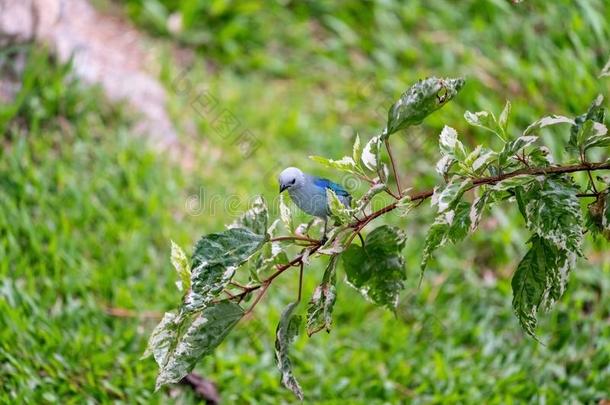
x=309, y=193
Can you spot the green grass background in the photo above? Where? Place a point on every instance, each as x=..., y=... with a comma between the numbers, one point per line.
x=87, y=209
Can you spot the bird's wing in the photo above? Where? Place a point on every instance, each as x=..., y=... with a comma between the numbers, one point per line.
x=340, y=191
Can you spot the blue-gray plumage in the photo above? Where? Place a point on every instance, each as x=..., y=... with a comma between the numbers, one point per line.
x=309, y=192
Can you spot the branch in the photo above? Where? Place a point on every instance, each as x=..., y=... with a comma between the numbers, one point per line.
x=358, y=225
x=528, y=171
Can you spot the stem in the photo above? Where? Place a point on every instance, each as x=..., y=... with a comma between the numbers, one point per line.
x=387, y=145
x=285, y=238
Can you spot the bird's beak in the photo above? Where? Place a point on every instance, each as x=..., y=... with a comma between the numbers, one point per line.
x=283, y=187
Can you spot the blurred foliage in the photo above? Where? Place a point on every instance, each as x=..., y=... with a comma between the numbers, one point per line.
x=87, y=211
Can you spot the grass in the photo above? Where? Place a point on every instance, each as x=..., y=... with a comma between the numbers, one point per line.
x=87, y=209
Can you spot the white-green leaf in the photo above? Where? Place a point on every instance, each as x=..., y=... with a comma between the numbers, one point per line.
x=375, y=189
x=444, y=165
x=181, y=265
x=546, y=121
x=419, y=101
x=369, y=153
x=476, y=210
x=539, y=281
x=485, y=158
x=287, y=330
x=320, y=307
x=450, y=145
x=515, y=146
x=255, y=219
x=285, y=214
x=449, y=226
x=196, y=337
x=162, y=338
x=447, y=197
x=338, y=211
x=553, y=212
x=377, y=269
x=214, y=262
x=512, y=182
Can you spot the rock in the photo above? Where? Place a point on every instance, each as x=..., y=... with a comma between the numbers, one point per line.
x=106, y=50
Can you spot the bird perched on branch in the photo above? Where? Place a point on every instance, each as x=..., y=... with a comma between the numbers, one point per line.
x=309, y=193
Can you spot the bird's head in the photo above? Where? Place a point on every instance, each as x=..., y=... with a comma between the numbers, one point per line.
x=291, y=177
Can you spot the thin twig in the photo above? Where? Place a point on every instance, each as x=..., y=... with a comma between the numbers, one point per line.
x=294, y=237
x=387, y=145
x=592, y=182
x=300, y=282
x=260, y=294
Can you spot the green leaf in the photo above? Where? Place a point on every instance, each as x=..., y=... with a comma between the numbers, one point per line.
x=538, y=281
x=266, y=261
x=598, y=215
x=356, y=150
x=606, y=70
x=419, y=101
x=546, y=121
x=370, y=153
x=320, y=307
x=589, y=130
x=450, y=225
x=482, y=119
x=181, y=346
x=181, y=264
x=338, y=211
x=540, y=156
x=215, y=260
x=255, y=219
x=346, y=164
x=377, y=269
x=503, y=120
x=286, y=332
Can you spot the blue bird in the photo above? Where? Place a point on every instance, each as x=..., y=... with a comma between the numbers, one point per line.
x=309, y=192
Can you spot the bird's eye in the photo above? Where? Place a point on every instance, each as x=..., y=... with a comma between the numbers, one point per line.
x=293, y=181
